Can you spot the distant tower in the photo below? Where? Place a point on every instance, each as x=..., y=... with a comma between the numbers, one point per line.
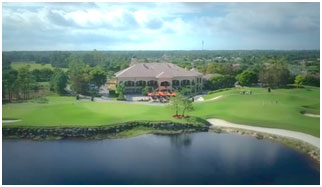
x=202, y=43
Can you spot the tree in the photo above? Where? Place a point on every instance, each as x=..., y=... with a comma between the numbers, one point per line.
x=42, y=75
x=58, y=81
x=225, y=69
x=9, y=78
x=276, y=74
x=78, y=78
x=312, y=80
x=59, y=59
x=247, y=78
x=186, y=91
x=120, y=90
x=97, y=77
x=175, y=102
x=219, y=82
x=25, y=82
x=6, y=62
x=186, y=105
x=94, y=58
x=309, y=80
x=299, y=80
x=211, y=68
x=145, y=90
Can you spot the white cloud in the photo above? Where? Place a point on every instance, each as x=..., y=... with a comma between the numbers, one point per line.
x=160, y=25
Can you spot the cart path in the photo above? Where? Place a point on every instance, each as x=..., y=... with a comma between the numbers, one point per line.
x=201, y=99
x=10, y=120
x=315, y=141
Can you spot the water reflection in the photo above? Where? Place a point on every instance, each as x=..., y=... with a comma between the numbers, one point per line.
x=197, y=158
x=180, y=141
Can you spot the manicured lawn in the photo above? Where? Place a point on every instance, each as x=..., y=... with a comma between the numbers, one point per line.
x=279, y=109
x=67, y=111
x=32, y=65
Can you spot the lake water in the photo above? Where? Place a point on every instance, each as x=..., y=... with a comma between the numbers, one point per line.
x=197, y=158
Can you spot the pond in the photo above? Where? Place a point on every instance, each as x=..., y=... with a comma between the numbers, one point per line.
x=197, y=158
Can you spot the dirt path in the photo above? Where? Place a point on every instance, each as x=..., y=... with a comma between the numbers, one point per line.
x=315, y=141
x=215, y=98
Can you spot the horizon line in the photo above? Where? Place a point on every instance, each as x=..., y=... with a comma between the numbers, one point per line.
x=165, y=50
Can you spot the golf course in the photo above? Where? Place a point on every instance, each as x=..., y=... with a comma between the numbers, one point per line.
x=280, y=108
x=33, y=66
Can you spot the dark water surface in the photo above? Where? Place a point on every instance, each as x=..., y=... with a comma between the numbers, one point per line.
x=198, y=158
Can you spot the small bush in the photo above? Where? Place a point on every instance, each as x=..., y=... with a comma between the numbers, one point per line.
x=121, y=97
x=41, y=100
x=112, y=93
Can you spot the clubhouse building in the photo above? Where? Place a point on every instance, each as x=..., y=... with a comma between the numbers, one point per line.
x=158, y=76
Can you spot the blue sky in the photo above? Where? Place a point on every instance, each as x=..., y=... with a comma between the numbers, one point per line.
x=160, y=26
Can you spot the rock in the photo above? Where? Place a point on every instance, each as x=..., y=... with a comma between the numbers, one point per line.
x=259, y=136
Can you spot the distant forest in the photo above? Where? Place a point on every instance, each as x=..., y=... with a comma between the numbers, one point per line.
x=86, y=71
x=116, y=60
x=46, y=57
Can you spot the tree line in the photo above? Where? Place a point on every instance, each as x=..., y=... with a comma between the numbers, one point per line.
x=274, y=74
x=24, y=84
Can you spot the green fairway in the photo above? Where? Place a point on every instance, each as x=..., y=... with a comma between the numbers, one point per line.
x=60, y=111
x=279, y=109
x=32, y=65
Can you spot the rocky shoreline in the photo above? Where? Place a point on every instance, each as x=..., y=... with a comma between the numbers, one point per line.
x=100, y=132
x=161, y=128
x=298, y=145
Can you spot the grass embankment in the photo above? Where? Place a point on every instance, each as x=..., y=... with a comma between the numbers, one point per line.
x=281, y=108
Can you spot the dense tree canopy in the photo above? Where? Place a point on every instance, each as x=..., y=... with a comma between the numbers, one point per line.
x=25, y=82
x=42, y=75
x=9, y=77
x=276, y=74
x=97, y=76
x=222, y=82
x=308, y=80
x=58, y=81
x=247, y=78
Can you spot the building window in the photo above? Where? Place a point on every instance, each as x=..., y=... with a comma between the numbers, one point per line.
x=185, y=82
x=129, y=83
x=165, y=83
x=152, y=83
x=140, y=83
x=175, y=83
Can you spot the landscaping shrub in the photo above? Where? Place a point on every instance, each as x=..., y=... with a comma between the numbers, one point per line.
x=40, y=100
x=112, y=93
